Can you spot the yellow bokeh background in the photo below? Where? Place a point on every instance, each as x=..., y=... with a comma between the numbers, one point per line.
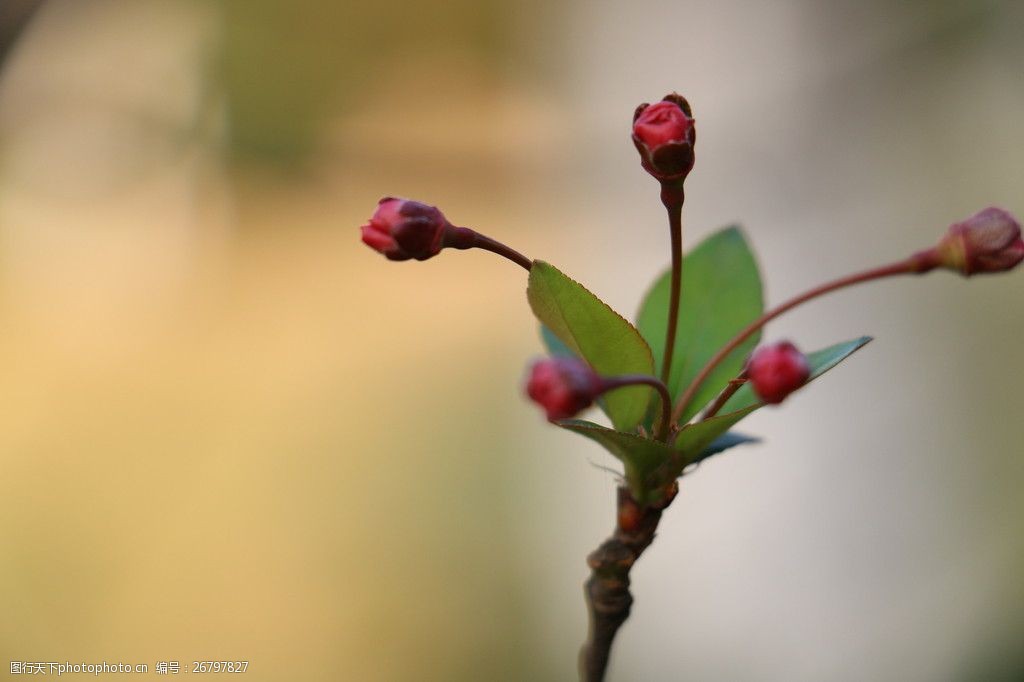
x=229, y=431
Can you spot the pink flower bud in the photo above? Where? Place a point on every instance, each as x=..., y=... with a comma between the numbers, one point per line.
x=563, y=386
x=777, y=370
x=402, y=229
x=664, y=135
x=988, y=241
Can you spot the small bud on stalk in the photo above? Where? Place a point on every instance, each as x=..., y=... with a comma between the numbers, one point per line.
x=402, y=229
x=777, y=370
x=988, y=241
x=664, y=135
x=563, y=386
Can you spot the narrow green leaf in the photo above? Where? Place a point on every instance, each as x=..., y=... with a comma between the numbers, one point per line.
x=820, y=361
x=639, y=456
x=721, y=295
x=726, y=441
x=693, y=439
x=596, y=333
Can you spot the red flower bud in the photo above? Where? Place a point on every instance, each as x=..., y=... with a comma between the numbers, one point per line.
x=402, y=229
x=664, y=135
x=777, y=370
x=988, y=241
x=563, y=386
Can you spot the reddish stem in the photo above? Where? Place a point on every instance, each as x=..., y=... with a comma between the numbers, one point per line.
x=916, y=264
x=611, y=383
x=723, y=397
x=672, y=196
x=465, y=238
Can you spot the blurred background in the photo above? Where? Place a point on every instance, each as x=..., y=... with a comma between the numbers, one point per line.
x=228, y=430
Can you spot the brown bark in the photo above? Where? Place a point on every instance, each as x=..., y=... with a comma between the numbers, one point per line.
x=607, y=591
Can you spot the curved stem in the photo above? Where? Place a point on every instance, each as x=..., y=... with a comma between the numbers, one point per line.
x=672, y=197
x=912, y=265
x=612, y=383
x=497, y=247
x=466, y=238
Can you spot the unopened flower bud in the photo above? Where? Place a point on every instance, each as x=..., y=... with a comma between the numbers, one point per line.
x=402, y=229
x=664, y=135
x=563, y=386
x=777, y=370
x=988, y=241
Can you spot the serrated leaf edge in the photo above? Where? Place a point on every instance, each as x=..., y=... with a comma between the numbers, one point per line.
x=636, y=332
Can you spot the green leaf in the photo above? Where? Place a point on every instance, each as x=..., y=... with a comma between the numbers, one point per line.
x=820, y=361
x=721, y=295
x=727, y=440
x=695, y=438
x=596, y=333
x=640, y=456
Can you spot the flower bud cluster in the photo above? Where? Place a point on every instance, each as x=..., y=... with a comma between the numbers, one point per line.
x=664, y=134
